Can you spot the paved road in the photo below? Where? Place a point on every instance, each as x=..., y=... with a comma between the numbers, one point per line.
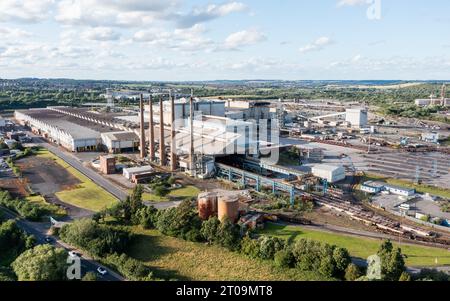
x=39, y=230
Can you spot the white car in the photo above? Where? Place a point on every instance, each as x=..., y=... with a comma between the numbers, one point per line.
x=102, y=271
x=73, y=254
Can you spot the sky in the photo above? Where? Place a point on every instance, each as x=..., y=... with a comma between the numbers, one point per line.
x=190, y=40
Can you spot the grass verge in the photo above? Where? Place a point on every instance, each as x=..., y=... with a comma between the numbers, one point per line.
x=419, y=256
x=172, y=258
x=86, y=195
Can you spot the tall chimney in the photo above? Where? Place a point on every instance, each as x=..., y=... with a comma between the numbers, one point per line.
x=162, y=146
x=142, y=142
x=151, y=132
x=173, y=146
x=191, y=152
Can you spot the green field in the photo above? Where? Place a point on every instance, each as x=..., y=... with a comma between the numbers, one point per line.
x=86, y=195
x=420, y=188
x=173, y=258
x=182, y=193
x=362, y=247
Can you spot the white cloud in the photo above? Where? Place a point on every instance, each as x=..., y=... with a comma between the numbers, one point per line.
x=7, y=33
x=113, y=12
x=244, y=38
x=184, y=39
x=317, y=45
x=27, y=11
x=101, y=34
x=351, y=2
x=209, y=12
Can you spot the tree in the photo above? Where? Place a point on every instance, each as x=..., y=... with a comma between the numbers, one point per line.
x=352, y=272
x=392, y=262
x=146, y=217
x=210, y=230
x=229, y=235
x=95, y=238
x=133, y=203
x=250, y=247
x=42, y=263
x=284, y=258
x=13, y=241
x=268, y=246
x=342, y=259
x=89, y=276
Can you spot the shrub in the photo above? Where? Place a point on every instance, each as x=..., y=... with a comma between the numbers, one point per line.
x=89, y=276
x=352, y=272
x=250, y=247
x=130, y=268
x=268, y=246
x=210, y=230
x=284, y=258
x=97, y=239
x=229, y=235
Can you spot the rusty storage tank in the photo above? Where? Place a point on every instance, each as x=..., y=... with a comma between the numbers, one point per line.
x=207, y=205
x=228, y=206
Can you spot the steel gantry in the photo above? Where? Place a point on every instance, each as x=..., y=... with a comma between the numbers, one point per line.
x=250, y=179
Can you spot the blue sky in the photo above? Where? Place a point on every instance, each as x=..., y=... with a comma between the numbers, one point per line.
x=207, y=40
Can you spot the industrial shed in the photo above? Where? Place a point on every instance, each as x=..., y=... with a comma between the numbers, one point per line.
x=55, y=127
x=330, y=173
x=119, y=142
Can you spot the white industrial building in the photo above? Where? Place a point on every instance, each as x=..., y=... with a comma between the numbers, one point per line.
x=119, y=142
x=129, y=172
x=70, y=135
x=358, y=118
x=331, y=173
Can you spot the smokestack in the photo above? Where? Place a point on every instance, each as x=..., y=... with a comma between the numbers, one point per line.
x=443, y=95
x=173, y=154
x=162, y=146
x=191, y=152
x=142, y=142
x=151, y=132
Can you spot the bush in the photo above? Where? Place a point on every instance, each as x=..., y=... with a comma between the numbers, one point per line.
x=405, y=277
x=284, y=259
x=250, y=247
x=328, y=260
x=146, y=217
x=432, y=275
x=90, y=276
x=229, y=235
x=268, y=246
x=210, y=230
x=13, y=241
x=27, y=210
x=130, y=268
x=97, y=239
x=352, y=272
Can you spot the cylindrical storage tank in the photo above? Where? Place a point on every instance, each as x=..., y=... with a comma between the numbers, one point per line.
x=207, y=205
x=228, y=206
